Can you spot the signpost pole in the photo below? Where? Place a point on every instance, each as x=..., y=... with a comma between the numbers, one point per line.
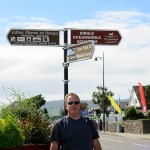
x=65, y=67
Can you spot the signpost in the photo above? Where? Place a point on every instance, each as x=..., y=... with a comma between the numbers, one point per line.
x=32, y=37
x=80, y=51
x=100, y=37
x=84, y=40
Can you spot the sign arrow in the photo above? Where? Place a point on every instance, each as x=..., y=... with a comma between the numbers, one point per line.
x=80, y=51
x=100, y=37
x=30, y=37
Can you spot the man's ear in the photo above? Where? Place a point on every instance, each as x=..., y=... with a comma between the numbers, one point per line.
x=65, y=106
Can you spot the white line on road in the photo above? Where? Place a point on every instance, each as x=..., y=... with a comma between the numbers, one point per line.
x=111, y=140
x=139, y=144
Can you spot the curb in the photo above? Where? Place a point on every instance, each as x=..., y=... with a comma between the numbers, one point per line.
x=129, y=135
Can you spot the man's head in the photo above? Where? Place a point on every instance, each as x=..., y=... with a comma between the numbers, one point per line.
x=72, y=103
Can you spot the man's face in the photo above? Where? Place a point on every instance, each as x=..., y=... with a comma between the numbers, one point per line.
x=73, y=104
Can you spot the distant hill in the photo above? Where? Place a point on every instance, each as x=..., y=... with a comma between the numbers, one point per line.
x=54, y=107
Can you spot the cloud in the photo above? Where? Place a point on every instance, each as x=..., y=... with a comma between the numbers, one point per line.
x=39, y=70
x=39, y=19
x=20, y=18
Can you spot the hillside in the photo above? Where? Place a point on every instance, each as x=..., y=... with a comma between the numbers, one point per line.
x=54, y=107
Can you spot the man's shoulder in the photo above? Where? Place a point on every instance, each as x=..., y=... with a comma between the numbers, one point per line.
x=61, y=120
x=86, y=118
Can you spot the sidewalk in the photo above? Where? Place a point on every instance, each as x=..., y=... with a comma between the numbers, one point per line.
x=129, y=135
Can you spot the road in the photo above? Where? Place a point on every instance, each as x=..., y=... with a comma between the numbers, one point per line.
x=113, y=142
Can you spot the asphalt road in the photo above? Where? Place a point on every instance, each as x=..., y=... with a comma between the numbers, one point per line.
x=113, y=142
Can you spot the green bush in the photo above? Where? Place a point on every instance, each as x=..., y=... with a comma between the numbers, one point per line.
x=33, y=121
x=148, y=115
x=140, y=115
x=131, y=113
x=10, y=134
x=36, y=127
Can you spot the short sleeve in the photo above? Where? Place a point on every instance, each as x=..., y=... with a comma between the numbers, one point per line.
x=56, y=132
x=95, y=134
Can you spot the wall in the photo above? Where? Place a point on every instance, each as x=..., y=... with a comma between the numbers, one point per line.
x=131, y=126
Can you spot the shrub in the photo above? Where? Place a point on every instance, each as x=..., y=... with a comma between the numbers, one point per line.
x=33, y=121
x=131, y=113
x=148, y=115
x=37, y=128
x=140, y=115
x=10, y=134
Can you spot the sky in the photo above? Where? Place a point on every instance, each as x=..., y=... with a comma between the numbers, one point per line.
x=33, y=70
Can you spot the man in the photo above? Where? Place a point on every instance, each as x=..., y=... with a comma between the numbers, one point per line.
x=74, y=132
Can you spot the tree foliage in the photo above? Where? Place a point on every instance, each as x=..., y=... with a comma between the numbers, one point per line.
x=84, y=105
x=133, y=113
x=147, y=95
x=32, y=119
x=38, y=100
x=10, y=134
x=98, y=97
x=61, y=112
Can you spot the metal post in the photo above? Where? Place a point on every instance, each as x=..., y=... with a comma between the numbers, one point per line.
x=65, y=67
x=103, y=92
x=103, y=97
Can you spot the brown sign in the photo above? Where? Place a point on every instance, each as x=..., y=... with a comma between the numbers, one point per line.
x=80, y=51
x=33, y=37
x=101, y=37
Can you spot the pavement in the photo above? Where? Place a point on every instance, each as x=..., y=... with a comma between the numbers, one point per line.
x=129, y=135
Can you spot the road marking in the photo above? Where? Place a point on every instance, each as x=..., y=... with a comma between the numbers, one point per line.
x=111, y=140
x=139, y=144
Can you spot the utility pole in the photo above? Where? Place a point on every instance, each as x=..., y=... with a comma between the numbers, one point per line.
x=103, y=93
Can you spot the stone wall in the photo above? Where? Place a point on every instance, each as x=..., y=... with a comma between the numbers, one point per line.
x=114, y=127
x=133, y=126
x=130, y=126
x=136, y=126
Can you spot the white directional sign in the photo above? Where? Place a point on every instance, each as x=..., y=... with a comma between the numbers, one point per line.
x=80, y=51
x=27, y=37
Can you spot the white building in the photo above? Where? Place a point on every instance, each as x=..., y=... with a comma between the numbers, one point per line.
x=133, y=100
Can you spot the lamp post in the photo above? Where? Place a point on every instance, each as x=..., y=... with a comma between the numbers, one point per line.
x=103, y=95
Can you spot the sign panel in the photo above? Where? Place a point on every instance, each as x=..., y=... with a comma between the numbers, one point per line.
x=33, y=37
x=100, y=37
x=80, y=51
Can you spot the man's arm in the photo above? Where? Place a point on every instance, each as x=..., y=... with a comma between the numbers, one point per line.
x=96, y=144
x=54, y=145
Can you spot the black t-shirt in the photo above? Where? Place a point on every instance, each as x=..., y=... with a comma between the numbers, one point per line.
x=74, y=134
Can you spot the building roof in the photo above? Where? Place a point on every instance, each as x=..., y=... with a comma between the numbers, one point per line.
x=136, y=90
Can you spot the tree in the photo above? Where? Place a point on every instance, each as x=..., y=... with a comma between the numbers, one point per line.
x=147, y=95
x=38, y=100
x=98, y=112
x=97, y=98
x=84, y=105
x=61, y=112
